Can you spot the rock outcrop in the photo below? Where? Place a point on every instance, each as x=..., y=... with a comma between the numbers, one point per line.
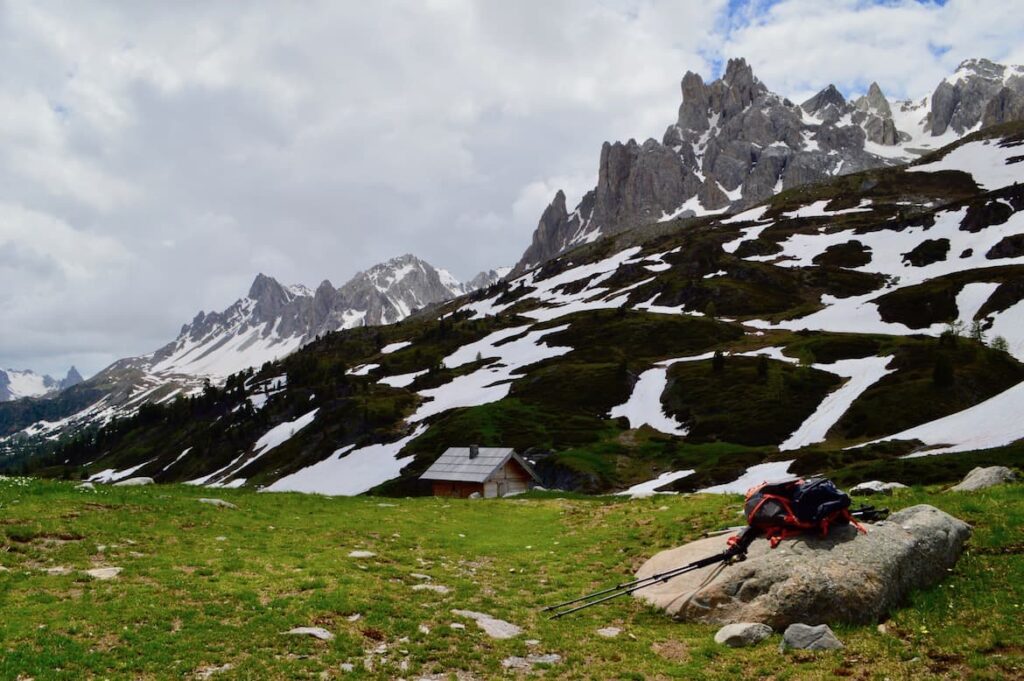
x=845, y=577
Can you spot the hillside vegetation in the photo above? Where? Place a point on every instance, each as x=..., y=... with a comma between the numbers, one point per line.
x=832, y=316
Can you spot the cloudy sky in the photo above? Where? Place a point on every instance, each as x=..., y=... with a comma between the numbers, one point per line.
x=155, y=156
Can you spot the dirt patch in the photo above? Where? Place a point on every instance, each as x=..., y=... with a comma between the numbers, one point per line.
x=674, y=651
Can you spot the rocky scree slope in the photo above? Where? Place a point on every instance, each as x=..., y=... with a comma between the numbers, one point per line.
x=736, y=143
x=871, y=325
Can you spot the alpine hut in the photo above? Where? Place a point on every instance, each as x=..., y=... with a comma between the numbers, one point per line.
x=488, y=471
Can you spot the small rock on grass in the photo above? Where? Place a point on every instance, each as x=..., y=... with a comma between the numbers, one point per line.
x=86, y=485
x=206, y=672
x=743, y=634
x=361, y=554
x=492, y=626
x=529, y=661
x=218, y=502
x=105, y=573
x=458, y=626
x=806, y=637
x=436, y=588
x=609, y=632
x=876, y=487
x=315, y=632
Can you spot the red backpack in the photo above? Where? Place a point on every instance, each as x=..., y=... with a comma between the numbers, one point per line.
x=780, y=510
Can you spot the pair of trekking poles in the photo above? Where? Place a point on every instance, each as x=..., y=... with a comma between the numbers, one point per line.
x=736, y=552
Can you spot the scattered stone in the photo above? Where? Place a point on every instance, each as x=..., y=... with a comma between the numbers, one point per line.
x=609, y=632
x=436, y=588
x=492, y=626
x=742, y=634
x=532, y=642
x=876, y=487
x=221, y=538
x=86, y=485
x=417, y=575
x=218, y=502
x=135, y=482
x=347, y=667
x=844, y=577
x=103, y=574
x=315, y=632
x=475, y=495
x=805, y=637
x=361, y=554
x=58, y=570
x=882, y=629
x=457, y=626
x=530, y=661
x=387, y=505
x=206, y=672
x=980, y=478
x=354, y=618
x=424, y=629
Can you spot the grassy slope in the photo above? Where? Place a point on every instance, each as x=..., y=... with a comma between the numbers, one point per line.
x=204, y=586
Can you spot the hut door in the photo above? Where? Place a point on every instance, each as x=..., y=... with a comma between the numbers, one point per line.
x=490, y=490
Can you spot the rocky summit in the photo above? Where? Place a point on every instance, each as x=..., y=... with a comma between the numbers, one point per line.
x=735, y=143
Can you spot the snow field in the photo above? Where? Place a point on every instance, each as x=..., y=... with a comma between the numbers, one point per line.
x=349, y=471
x=646, y=489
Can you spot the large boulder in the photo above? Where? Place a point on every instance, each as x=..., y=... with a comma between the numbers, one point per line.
x=844, y=577
x=980, y=478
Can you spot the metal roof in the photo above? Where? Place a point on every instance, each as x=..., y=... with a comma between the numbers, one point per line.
x=455, y=464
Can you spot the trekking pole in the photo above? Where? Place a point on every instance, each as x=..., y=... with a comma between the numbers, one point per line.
x=739, y=548
x=869, y=513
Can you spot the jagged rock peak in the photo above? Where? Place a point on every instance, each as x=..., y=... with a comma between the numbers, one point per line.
x=267, y=288
x=874, y=102
x=829, y=96
x=72, y=378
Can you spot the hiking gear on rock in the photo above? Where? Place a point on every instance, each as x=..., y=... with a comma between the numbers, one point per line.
x=785, y=509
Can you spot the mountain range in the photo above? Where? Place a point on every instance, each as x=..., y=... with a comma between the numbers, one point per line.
x=736, y=143
x=15, y=383
x=863, y=319
x=270, y=322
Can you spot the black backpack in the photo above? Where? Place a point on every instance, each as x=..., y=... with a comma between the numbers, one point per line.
x=785, y=509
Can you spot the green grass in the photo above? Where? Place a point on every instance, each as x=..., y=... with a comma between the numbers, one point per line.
x=204, y=587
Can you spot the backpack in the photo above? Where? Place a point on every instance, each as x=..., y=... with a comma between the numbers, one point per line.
x=780, y=510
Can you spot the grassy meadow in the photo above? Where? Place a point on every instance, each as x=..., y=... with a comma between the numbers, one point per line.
x=207, y=592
